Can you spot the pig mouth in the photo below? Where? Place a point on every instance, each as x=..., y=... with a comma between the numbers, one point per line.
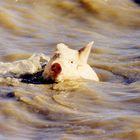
x=52, y=78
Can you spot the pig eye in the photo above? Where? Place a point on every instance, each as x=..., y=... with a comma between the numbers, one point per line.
x=71, y=62
x=57, y=55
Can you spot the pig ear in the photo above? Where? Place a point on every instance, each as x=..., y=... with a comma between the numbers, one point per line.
x=61, y=46
x=84, y=52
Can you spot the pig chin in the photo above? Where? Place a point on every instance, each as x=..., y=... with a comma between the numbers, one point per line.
x=52, y=77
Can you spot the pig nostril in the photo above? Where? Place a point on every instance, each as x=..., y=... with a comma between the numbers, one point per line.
x=56, y=68
x=53, y=67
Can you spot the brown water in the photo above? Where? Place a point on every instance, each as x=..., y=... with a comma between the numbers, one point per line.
x=87, y=110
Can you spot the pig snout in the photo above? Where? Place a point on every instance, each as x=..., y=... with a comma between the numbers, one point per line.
x=52, y=73
x=56, y=68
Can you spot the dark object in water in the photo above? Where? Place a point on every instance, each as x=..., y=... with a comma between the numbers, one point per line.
x=10, y=95
x=137, y=1
x=129, y=80
x=35, y=78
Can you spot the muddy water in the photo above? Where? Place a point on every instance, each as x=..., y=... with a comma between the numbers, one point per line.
x=105, y=110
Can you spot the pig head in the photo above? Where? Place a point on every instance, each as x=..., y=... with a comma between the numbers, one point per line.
x=69, y=64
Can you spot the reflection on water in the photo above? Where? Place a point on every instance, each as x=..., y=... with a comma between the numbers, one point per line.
x=105, y=110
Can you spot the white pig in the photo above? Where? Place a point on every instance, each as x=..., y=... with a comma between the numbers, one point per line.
x=69, y=64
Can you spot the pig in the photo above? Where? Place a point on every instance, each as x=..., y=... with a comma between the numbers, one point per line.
x=69, y=64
